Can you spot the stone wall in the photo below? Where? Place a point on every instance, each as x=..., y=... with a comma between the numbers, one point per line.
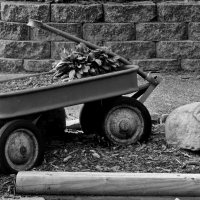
x=156, y=35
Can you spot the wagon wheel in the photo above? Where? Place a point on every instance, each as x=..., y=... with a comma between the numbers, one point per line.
x=90, y=117
x=92, y=113
x=21, y=146
x=127, y=121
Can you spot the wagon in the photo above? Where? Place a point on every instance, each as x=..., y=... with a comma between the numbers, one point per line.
x=106, y=110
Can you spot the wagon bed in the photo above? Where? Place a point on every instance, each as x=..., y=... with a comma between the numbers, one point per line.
x=30, y=101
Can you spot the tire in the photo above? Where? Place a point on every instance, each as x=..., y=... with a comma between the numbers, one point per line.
x=127, y=121
x=21, y=146
x=90, y=117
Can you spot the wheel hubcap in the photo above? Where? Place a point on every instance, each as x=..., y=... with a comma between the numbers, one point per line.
x=124, y=123
x=124, y=126
x=21, y=149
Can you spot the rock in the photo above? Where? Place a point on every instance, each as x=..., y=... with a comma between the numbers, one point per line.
x=182, y=127
x=155, y=118
x=163, y=118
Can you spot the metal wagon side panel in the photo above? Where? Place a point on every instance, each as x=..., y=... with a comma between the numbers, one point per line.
x=31, y=101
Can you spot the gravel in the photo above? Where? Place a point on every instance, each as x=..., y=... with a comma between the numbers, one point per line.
x=30, y=82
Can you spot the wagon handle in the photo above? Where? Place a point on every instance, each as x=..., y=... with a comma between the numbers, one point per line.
x=39, y=24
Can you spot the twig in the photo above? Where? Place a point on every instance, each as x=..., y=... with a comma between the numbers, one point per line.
x=72, y=152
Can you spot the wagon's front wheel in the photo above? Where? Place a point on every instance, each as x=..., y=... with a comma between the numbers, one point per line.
x=21, y=146
x=127, y=121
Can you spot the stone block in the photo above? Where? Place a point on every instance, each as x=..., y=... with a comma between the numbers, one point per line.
x=194, y=31
x=24, y=49
x=58, y=47
x=133, y=49
x=109, y=32
x=161, y=31
x=72, y=13
x=13, y=31
x=178, y=49
x=21, y=11
x=74, y=29
x=37, y=65
x=179, y=12
x=22, y=198
x=171, y=0
x=161, y=65
x=133, y=12
x=11, y=65
x=190, y=64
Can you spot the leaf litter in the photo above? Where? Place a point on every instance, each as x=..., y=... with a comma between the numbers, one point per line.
x=95, y=153
x=78, y=152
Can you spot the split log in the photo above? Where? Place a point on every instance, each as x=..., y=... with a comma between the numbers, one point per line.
x=49, y=197
x=108, y=184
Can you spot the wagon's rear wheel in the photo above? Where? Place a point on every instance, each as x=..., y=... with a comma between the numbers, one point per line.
x=91, y=115
x=21, y=146
x=127, y=121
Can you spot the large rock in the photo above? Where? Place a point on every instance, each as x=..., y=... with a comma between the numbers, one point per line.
x=182, y=127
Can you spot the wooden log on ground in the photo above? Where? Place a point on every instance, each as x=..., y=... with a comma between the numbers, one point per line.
x=108, y=184
x=49, y=197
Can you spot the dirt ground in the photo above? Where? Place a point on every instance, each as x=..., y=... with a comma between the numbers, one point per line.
x=75, y=151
